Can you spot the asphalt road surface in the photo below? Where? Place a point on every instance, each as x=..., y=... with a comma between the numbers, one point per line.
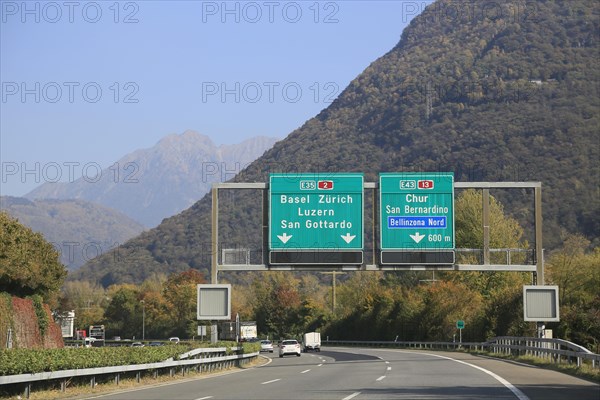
x=376, y=374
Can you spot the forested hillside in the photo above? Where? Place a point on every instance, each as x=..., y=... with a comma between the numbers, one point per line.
x=505, y=96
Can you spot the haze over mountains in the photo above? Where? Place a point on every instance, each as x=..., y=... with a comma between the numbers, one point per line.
x=502, y=97
x=151, y=184
x=79, y=230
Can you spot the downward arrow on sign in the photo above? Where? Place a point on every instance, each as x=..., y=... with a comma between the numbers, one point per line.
x=416, y=237
x=284, y=238
x=348, y=237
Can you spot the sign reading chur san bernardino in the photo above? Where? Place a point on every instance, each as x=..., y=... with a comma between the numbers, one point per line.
x=417, y=211
x=316, y=211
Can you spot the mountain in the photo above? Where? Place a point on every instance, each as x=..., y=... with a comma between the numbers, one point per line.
x=503, y=96
x=78, y=229
x=151, y=184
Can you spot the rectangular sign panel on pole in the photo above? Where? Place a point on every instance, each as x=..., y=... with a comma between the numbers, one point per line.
x=540, y=303
x=213, y=302
x=316, y=218
x=416, y=218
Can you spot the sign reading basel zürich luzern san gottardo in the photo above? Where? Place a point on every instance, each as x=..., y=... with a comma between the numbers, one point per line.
x=316, y=219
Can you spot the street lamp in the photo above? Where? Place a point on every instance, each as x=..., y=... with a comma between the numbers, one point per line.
x=143, y=319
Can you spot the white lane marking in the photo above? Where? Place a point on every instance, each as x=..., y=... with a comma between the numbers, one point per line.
x=387, y=362
x=353, y=395
x=303, y=372
x=204, y=398
x=267, y=382
x=320, y=365
x=518, y=394
x=380, y=378
x=389, y=368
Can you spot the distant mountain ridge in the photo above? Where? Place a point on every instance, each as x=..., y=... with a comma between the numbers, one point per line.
x=78, y=229
x=491, y=98
x=151, y=184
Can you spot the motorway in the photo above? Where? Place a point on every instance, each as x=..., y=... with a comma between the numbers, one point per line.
x=376, y=374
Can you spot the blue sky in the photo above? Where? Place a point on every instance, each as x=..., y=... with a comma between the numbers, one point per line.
x=84, y=83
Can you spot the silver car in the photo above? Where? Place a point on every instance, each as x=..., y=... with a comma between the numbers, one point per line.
x=266, y=345
x=289, y=346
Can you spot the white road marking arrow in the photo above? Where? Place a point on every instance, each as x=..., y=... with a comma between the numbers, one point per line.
x=348, y=237
x=284, y=238
x=416, y=237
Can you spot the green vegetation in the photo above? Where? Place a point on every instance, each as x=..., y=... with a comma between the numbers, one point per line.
x=40, y=313
x=29, y=267
x=167, y=306
x=28, y=264
x=28, y=361
x=575, y=268
x=6, y=315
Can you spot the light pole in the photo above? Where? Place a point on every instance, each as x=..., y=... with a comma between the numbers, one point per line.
x=143, y=319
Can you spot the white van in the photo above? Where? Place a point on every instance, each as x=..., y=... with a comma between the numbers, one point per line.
x=311, y=341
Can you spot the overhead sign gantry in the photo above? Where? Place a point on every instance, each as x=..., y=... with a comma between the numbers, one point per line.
x=284, y=245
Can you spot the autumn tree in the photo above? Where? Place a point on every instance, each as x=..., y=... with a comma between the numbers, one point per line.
x=445, y=303
x=502, y=291
x=88, y=300
x=576, y=271
x=277, y=305
x=180, y=292
x=124, y=312
x=158, y=310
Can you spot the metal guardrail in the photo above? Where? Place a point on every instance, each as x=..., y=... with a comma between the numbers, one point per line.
x=210, y=359
x=557, y=350
x=410, y=345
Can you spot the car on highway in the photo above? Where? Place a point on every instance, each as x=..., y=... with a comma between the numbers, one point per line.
x=137, y=344
x=266, y=345
x=156, y=344
x=289, y=346
x=174, y=339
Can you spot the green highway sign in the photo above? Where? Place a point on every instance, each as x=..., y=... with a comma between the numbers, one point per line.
x=416, y=218
x=316, y=218
x=460, y=324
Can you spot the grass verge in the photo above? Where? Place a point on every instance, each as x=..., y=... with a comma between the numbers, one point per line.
x=585, y=371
